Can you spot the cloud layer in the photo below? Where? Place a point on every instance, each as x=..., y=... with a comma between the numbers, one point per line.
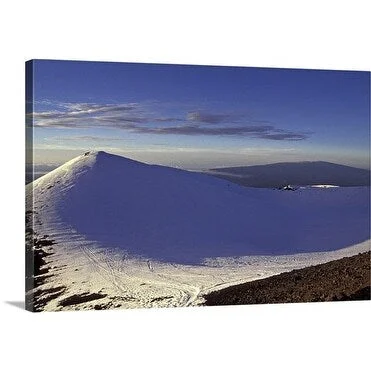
x=138, y=118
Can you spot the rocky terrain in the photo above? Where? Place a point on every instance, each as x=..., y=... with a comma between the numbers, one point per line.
x=344, y=279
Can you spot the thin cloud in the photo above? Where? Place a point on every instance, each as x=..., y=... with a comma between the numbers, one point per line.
x=87, y=138
x=211, y=118
x=262, y=132
x=285, y=136
x=138, y=118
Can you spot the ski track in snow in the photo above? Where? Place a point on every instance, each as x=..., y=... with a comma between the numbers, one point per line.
x=126, y=280
x=132, y=284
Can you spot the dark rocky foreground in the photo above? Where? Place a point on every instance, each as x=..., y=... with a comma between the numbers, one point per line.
x=38, y=249
x=38, y=272
x=340, y=280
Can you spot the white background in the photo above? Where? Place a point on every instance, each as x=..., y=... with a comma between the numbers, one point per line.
x=315, y=34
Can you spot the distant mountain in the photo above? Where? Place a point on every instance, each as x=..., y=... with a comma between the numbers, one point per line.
x=295, y=173
x=178, y=216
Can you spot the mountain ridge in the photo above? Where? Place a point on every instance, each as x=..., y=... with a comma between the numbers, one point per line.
x=288, y=163
x=298, y=173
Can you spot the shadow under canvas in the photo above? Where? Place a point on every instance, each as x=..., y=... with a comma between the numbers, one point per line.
x=18, y=304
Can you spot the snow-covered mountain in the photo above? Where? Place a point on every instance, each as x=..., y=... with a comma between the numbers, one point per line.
x=109, y=232
x=171, y=215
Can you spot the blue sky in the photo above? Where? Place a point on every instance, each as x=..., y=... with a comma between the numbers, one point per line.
x=200, y=116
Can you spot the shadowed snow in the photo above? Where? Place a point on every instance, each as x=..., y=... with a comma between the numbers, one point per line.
x=177, y=216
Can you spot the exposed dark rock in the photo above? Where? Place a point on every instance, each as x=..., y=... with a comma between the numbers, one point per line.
x=338, y=280
x=37, y=270
x=80, y=298
x=161, y=298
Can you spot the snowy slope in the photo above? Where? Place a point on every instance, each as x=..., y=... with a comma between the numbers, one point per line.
x=173, y=215
x=143, y=235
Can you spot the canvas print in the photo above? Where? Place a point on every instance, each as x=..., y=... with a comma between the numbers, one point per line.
x=158, y=185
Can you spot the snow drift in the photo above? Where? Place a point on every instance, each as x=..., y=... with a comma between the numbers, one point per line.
x=177, y=216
